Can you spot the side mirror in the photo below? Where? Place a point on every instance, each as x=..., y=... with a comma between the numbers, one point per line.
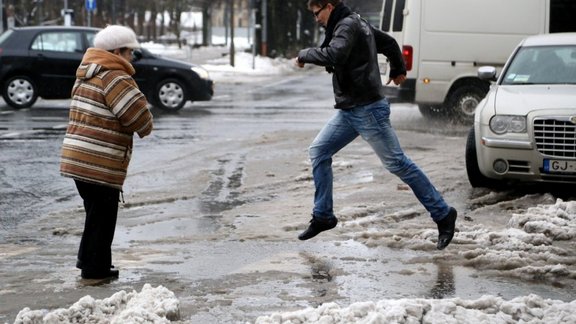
x=136, y=55
x=487, y=73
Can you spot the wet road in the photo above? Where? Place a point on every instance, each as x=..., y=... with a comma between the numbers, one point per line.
x=214, y=200
x=30, y=139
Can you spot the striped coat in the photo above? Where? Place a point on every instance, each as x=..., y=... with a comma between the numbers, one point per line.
x=107, y=108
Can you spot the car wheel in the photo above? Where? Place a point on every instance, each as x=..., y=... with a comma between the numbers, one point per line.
x=463, y=101
x=170, y=95
x=475, y=177
x=20, y=92
x=432, y=111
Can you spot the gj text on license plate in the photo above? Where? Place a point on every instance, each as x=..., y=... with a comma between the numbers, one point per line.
x=559, y=166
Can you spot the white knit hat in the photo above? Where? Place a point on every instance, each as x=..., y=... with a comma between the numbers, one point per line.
x=116, y=36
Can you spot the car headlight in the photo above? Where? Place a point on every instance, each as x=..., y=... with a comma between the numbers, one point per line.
x=502, y=124
x=202, y=73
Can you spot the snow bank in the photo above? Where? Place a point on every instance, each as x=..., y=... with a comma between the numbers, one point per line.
x=152, y=305
x=247, y=63
x=487, y=309
x=159, y=305
x=531, y=245
x=535, y=244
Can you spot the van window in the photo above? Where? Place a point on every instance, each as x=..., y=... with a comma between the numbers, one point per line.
x=387, y=15
x=562, y=13
x=399, y=15
x=369, y=10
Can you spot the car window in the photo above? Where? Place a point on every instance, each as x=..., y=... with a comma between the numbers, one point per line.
x=543, y=65
x=60, y=41
x=5, y=35
x=90, y=38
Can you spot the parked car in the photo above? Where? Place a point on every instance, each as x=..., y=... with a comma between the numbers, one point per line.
x=42, y=61
x=525, y=127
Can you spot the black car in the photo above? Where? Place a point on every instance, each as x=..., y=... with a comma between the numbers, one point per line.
x=42, y=61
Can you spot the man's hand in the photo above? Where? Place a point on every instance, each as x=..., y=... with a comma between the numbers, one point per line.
x=397, y=80
x=298, y=63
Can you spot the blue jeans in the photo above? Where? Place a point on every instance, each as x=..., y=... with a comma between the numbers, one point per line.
x=372, y=122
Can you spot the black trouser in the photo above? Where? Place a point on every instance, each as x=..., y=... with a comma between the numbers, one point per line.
x=101, y=206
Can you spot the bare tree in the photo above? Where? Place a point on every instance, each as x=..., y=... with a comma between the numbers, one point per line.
x=292, y=28
x=175, y=9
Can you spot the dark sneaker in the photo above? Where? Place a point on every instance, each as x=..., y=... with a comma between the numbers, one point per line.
x=446, y=228
x=112, y=273
x=317, y=226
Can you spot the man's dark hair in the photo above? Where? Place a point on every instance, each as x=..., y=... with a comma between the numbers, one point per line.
x=322, y=3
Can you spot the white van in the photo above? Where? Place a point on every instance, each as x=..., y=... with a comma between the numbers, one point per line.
x=445, y=41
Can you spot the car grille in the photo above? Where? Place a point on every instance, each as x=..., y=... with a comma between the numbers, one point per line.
x=518, y=166
x=555, y=138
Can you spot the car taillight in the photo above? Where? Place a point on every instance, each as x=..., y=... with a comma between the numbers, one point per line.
x=408, y=54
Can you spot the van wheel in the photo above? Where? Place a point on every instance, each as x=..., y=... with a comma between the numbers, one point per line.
x=475, y=177
x=20, y=92
x=432, y=111
x=463, y=101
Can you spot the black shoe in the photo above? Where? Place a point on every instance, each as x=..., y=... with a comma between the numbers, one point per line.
x=446, y=228
x=317, y=226
x=111, y=273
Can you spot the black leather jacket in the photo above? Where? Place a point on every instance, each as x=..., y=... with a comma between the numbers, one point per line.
x=352, y=53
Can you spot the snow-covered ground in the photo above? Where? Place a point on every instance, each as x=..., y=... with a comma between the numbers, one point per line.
x=245, y=64
x=523, y=249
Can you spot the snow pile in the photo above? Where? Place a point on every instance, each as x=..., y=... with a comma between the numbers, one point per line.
x=557, y=222
x=151, y=305
x=244, y=62
x=172, y=51
x=530, y=247
x=487, y=309
x=535, y=245
x=247, y=63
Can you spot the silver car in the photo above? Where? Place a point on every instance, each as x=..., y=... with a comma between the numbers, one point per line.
x=525, y=127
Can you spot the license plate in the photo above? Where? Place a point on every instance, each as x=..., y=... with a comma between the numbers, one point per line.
x=559, y=166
